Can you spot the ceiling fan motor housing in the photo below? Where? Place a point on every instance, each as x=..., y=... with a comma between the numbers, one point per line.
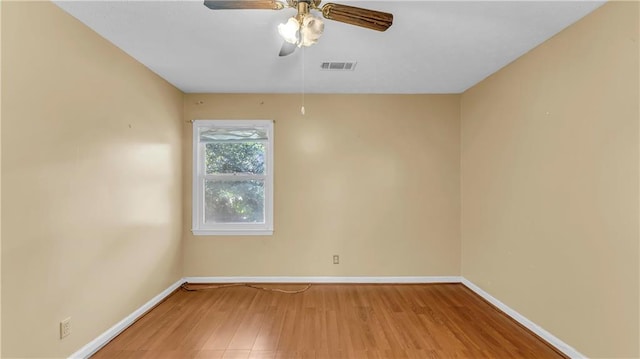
x=303, y=9
x=312, y=3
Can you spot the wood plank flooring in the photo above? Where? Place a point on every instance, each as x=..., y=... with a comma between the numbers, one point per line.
x=330, y=321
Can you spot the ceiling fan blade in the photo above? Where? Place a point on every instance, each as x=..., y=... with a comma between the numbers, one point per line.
x=243, y=4
x=287, y=49
x=371, y=19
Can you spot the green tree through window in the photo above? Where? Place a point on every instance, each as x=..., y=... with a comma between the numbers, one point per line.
x=234, y=157
x=230, y=200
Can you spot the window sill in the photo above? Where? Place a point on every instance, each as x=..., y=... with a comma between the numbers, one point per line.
x=232, y=232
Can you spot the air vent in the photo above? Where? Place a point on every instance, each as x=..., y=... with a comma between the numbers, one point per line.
x=338, y=66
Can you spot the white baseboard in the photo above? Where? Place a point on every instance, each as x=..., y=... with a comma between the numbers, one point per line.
x=548, y=337
x=104, y=338
x=360, y=280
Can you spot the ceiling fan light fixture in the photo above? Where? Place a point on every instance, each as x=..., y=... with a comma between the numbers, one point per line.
x=289, y=30
x=311, y=30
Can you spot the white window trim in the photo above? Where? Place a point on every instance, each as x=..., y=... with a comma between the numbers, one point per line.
x=199, y=228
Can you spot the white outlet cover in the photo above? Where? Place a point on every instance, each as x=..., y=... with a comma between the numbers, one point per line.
x=65, y=327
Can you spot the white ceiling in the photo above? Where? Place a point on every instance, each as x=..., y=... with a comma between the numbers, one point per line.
x=432, y=47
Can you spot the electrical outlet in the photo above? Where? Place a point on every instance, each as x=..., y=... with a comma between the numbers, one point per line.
x=336, y=259
x=65, y=327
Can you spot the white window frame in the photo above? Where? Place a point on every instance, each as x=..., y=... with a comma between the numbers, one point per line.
x=199, y=227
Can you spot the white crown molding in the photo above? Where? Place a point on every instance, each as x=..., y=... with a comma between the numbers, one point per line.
x=548, y=337
x=93, y=346
x=329, y=279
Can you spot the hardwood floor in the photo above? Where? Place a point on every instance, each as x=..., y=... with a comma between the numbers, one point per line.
x=327, y=321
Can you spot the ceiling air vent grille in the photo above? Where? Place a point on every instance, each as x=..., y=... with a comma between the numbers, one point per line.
x=338, y=66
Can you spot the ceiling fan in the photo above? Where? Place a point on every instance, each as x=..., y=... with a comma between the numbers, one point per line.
x=305, y=29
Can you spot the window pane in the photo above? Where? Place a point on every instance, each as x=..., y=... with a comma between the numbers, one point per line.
x=235, y=157
x=234, y=201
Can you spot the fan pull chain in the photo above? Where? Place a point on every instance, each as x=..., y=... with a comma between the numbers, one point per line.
x=302, y=111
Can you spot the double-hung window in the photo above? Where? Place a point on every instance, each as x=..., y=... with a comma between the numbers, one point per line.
x=233, y=177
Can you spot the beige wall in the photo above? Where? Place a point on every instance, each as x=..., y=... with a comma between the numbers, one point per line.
x=91, y=182
x=0, y=183
x=550, y=184
x=374, y=179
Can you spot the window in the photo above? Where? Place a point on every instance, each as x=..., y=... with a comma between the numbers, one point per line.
x=233, y=177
